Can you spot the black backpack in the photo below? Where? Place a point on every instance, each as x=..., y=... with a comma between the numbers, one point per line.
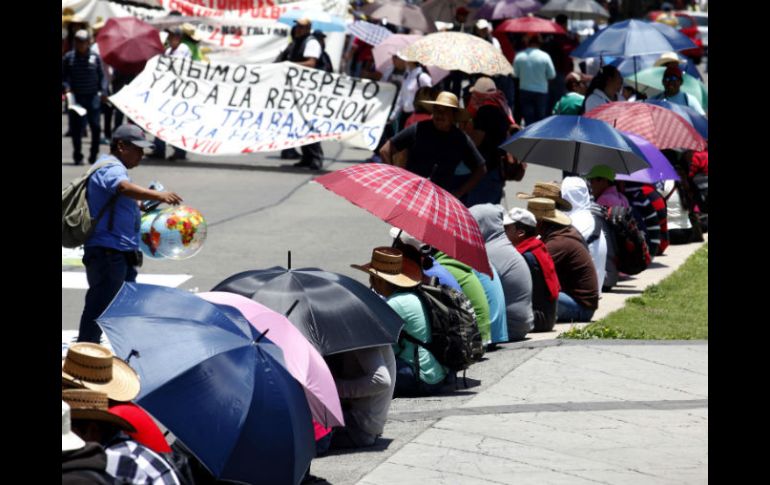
x=632, y=256
x=455, y=337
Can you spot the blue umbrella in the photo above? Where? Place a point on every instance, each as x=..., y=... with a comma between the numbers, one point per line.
x=629, y=65
x=575, y=144
x=320, y=20
x=631, y=38
x=697, y=120
x=215, y=382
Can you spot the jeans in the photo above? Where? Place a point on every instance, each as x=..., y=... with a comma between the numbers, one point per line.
x=534, y=106
x=92, y=103
x=409, y=385
x=106, y=270
x=568, y=310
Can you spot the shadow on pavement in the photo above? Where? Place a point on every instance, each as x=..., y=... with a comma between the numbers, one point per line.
x=381, y=444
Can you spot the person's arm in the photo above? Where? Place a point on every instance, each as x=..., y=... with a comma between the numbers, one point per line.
x=400, y=141
x=309, y=62
x=386, y=153
x=311, y=53
x=472, y=157
x=137, y=192
x=550, y=72
x=375, y=380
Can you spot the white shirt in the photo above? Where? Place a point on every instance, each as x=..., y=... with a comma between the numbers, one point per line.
x=678, y=217
x=312, y=48
x=414, y=80
x=597, y=98
x=181, y=51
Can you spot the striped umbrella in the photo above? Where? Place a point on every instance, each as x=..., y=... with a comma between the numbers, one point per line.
x=662, y=127
x=370, y=33
x=530, y=24
x=456, y=51
x=413, y=204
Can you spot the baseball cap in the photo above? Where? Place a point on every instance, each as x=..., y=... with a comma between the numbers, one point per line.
x=482, y=24
x=601, y=171
x=131, y=133
x=82, y=34
x=517, y=214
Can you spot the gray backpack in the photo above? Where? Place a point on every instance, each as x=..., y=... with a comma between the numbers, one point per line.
x=76, y=221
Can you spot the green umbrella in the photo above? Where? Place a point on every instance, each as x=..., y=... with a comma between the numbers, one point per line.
x=650, y=82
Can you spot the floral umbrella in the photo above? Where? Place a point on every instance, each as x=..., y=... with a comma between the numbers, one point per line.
x=456, y=51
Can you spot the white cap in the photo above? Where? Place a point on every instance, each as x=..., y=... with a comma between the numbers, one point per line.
x=482, y=24
x=517, y=214
x=69, y=440
x=82, y=34
x=406, y=238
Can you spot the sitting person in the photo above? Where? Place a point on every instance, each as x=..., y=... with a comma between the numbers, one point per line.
x=418, y=252
x=575, y=191
x=365, y=381
x=418, y=372
x=521, y=229
x=603, y=188
x=579, y=295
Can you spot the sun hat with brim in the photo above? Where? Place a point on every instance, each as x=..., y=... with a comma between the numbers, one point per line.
x=601, y=172
x=549, y=191
x=667, y=57
x=390, y=265
x=449, y=100
x=93, y=367
x=545, y=210
x=69, y=440
x=94, y=406
x=190, y=31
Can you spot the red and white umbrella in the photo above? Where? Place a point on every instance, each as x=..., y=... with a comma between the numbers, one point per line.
x=530, y=25
x=662, y=127
x=415, y=205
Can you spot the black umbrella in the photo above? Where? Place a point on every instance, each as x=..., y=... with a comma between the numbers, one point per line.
x=334, y=312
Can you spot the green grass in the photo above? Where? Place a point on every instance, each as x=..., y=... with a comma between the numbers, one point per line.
x=674, y=309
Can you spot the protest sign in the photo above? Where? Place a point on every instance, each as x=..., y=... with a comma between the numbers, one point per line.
x=227, y=109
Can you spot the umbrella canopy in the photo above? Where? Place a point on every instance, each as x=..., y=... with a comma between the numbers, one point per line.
x=625, y=39
x=660, y=168
x=415, y=205
x=697, y=120
x=215, y=382
x=507, y=9
x=335, y=313
x=651, y=82
x=127, y=43
x=456, y=51
x=368, y=32
x=399, y=13
x=663, y=128
x=678, y=40
x=575, y=144
x=444, y=10
x=147, y=431
x=320, y=20
x=531, y=24
x=575, y=9
x=384, y=52
x=629, y=65
x=302, y=360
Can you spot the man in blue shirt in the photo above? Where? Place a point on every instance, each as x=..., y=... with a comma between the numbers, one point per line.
x=111, y=253
x=83, y=76
x=534, y=68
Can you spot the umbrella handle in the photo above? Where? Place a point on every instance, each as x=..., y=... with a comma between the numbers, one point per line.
x=133, y=352
x=289, y=261
x=396, y=238
x=261, y=336
x=293, y=305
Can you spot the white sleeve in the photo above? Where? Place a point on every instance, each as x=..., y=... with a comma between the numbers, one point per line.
x=695, y=104
x=592, y=102
x=312, y=49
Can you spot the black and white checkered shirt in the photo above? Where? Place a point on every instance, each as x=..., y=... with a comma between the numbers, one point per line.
x=130, y=462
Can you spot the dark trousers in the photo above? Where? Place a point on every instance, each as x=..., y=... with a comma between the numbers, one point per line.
x=106, y=270
x=409, y=385
x=107, y=109
x=533, y=106
x=313, y=154
x=92, y=104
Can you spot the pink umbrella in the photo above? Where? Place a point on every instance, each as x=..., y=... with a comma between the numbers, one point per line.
x=302, y=360
x=127, y=43
x=384, y=52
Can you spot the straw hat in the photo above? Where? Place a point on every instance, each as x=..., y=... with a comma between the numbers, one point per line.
x=545, y=210
x=190, y=31
x=93, y=405
x=93, y=367
x=667, y=57
x=484, y=85
x=445, y=98
x=68, y=16
x=389, y=264
x=549, y=191
x=69, y=440
x=99, y=24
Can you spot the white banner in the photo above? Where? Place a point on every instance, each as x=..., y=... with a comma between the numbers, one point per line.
x=230, y=109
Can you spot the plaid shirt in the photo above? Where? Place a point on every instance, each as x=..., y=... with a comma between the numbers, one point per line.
x=130, y=462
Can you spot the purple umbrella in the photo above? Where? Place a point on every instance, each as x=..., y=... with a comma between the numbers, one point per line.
x=507, y=9
x=660, y=167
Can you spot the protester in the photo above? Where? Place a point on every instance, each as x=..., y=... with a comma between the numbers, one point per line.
x=176, y=48
x=603, y=187
x=81, y=462
x=579, y=295
x=672, y=83
x=419, y=253
x=651, y=208
x=418, y=373
x=111, y=253
x=584, y=219
x=559, y=48
x=483, y=30
x=603, y=89
x=521, y=229
x=572, y=102
x=416, y=77
x=534, y=69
